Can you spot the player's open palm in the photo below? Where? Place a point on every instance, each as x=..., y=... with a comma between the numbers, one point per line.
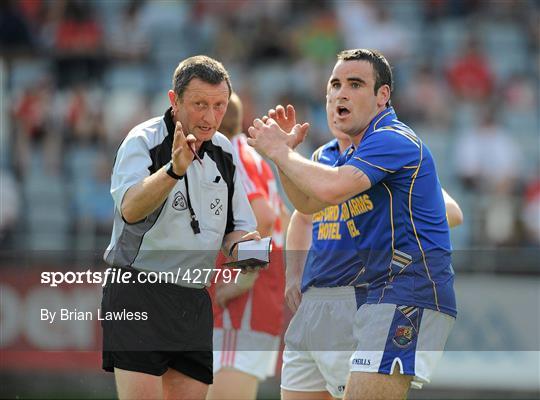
x=286, y=119
x=181, y=155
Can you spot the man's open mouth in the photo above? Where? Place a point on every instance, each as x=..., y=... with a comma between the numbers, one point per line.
x=342, y=111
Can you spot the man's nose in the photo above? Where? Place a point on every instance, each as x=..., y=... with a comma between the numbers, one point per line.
x=210, y=116
x=342, y=94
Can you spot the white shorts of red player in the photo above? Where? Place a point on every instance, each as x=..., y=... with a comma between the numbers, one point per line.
x=252, y=352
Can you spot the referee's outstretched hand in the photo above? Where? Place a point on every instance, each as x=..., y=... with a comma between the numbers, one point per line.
x=181, y=155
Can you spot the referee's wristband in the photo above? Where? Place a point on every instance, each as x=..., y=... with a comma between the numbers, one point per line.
x=171, y=173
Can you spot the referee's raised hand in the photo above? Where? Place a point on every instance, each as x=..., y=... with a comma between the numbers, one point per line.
x=181, y=155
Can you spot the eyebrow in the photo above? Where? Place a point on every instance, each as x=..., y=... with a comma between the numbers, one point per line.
x=352, y=79
x=356, y=79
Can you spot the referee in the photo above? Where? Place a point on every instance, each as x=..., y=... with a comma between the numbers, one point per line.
x=177, y=202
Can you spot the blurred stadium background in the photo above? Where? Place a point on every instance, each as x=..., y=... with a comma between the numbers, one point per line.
x=76, y=76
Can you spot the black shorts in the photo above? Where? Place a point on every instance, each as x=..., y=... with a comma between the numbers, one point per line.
x=152, y=327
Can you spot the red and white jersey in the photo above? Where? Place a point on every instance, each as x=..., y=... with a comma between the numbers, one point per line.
x=261, y=308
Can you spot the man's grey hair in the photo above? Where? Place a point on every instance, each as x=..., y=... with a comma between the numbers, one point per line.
x=202, y=67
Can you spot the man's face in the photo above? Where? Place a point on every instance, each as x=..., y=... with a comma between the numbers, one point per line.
x=351, y=93
x=201, y=108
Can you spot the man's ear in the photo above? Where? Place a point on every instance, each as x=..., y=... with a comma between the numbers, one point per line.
x=383, y=95
x=172, y=98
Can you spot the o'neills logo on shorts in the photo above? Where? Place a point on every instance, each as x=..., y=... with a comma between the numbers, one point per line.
x=361, y=361
x=179, y=202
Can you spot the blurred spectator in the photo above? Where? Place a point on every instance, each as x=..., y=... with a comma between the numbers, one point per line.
x=32, y=10
x=369, y=24
x=487, y=157
x=93, y=205
x=425, y=99
x=488, y=161
x=229, y=46
x=520, y=94
x=75, y=35
x=530, y=214
x=532, y=15
x=78, y=31
x=15, y=34
x=269, y=44
x=37, y=145
x=243, y=9
x=84, y=118
x=470, y=76
x=128, y=39
x=520, y=113
x=319, y=41
x=435, y=10
x=9, y=211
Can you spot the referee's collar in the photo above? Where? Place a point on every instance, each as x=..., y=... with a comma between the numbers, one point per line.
x=169, y=123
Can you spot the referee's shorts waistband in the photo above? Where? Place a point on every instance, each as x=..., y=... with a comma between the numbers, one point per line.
x=338, y=292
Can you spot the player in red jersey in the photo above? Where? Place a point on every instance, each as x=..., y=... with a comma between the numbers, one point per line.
x=248, y=314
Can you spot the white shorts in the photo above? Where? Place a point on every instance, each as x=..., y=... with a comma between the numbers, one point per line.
x=412, y=338
x=254, y=353
x=319, y=341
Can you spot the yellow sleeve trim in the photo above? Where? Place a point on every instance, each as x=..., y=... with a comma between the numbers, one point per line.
x=376, y=166
x=317, y=154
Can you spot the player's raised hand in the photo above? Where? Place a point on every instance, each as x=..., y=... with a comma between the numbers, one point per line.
x=285, y=118
x=268, y=138
x=181, y=155
x=297, y=135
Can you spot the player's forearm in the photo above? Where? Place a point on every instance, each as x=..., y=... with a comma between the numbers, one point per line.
x=297, y=245
x=245, y=282
x=285, y=217
x=299, y=232
x=318, y=183
x=297, y=197
x=229, y=291
x=265, y=215
x=265, y=228
x=146, y=196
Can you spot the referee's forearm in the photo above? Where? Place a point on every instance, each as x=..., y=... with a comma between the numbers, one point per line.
x=146, y=196
x=229, y=239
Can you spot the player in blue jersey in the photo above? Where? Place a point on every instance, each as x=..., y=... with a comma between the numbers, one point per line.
x=391, y=190
x=311, y=374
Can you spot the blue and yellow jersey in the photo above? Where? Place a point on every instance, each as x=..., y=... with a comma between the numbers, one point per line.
x=333, y=257
x=403, y=235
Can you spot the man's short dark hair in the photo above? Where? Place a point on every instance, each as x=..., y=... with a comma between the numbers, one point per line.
x=203, y=67
x=381, y=67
